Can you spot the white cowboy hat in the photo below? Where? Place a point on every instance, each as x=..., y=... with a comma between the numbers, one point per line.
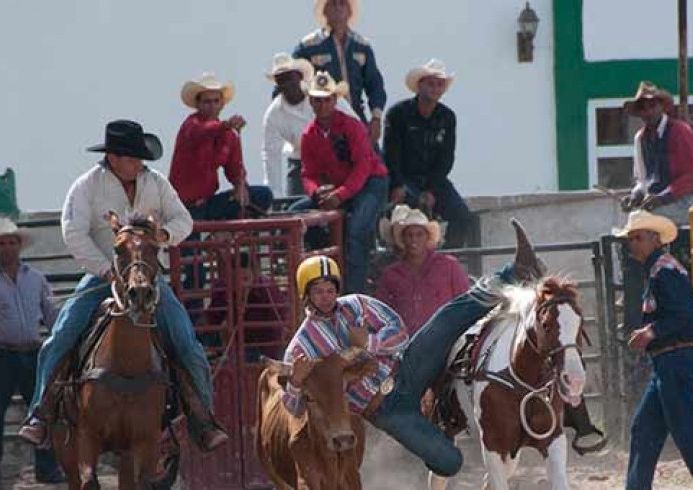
x=283, y=62
x=8, y=227
x=402, y=217
x=323, y=85
x=434, y=68
x=208, y=81
x=644, y=220
x=319, y=11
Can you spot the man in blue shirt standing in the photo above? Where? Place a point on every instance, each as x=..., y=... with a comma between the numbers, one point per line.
x=24, y=305
x=667, y=338
x=347, y=56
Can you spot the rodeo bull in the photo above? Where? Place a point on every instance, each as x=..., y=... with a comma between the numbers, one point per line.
x=323, y=447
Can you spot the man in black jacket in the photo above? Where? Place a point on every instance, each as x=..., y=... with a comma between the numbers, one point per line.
x=420, y=150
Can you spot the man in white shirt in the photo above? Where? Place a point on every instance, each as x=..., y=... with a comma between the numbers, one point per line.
x=284, y=122
x=121, y=183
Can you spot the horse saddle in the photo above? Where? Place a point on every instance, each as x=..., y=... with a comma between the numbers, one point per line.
x=465, y=363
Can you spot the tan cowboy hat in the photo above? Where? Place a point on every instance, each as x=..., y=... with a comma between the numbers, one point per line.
x=644, y=220
x=208, y=81
x=402, y=217
x=319, y=12
x=649, y=91
x=434, y=68
x=323, y=85
x=8, y=227
x=283, y=62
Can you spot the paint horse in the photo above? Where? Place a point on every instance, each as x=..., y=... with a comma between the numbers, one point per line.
x=121, y=382
x=528, y=365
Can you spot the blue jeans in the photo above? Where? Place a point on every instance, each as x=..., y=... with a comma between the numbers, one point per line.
x=22, y=366
x=449, y=206
x=362, y=214
x=75, y=316
x=665, y=408
x=421, y=363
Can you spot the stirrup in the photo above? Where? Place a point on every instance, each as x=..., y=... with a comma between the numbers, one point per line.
x=598, y=446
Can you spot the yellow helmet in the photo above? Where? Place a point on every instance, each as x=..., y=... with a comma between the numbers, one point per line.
x=317, y=267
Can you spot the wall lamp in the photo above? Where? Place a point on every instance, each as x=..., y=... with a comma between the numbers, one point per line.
x=528, y=23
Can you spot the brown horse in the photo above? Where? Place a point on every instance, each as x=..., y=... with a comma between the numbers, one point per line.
x=528, y=366
x=121, y=382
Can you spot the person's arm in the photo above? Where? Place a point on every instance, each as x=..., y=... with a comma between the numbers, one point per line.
x=234, y=169
x=672, y=291
x=361, y=154
x=293, y=398
x=48, y=309
x=387, y=334
x=393, y=142
x=176, y=219
x=446, y=156
x=680, y=163
x=195, y=129
x=310, y=166
x=272, y=145
x=373, y=84
x=76, y=227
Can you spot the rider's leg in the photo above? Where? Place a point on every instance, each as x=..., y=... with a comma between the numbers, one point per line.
x=197, y=392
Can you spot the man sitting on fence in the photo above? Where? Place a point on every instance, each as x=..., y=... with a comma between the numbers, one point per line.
x=341, y=170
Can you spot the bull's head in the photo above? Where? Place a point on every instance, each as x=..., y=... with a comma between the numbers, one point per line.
x=327, y=413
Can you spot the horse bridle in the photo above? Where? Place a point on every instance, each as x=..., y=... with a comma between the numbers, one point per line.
x=554, y=301
x=124, y=307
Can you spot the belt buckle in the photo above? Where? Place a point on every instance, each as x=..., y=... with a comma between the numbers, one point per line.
x=387, y=385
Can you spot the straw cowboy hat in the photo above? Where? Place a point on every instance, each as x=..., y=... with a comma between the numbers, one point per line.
x=319, y=12
x=434, y=68
x=649, y=91
x=9, y=228
x=323, y=85
x=283, y=63
x=127, y=138
x=402, y=217
x=208, y=81
x=644, y=220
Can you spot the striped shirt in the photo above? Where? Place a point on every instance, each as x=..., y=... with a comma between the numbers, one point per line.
x=321, y=335
x=24, y=305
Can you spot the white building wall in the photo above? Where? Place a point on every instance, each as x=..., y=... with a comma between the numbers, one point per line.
x=69, y=66
x=630, y=29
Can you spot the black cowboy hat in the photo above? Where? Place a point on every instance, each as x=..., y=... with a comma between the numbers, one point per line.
x=126, y=138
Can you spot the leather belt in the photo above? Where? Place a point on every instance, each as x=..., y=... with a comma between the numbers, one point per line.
x=669, y=348
x=386, y=387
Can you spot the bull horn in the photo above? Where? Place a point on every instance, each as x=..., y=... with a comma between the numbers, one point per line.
x=527, y=265
x=282, y=368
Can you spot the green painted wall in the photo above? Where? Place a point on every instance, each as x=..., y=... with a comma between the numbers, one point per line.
x=577, y=81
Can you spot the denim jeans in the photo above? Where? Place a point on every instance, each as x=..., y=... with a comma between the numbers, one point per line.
x=362, y=214
x=75, y=316
x=449, y=206
x=421, y=363
x=19, y=374
x=666, y=408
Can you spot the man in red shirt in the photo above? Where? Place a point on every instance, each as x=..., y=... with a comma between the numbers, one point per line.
x=205, y=143
x=341, y=170
x=663, y=160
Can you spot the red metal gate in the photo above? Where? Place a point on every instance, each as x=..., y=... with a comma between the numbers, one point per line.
x=237, y=283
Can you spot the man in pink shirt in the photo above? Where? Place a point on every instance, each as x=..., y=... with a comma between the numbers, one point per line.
x=341, y=170
x=422, y=280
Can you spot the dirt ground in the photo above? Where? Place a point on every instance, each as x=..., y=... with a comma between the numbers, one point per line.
x=389, y=467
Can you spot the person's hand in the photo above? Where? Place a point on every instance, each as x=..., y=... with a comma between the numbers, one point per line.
x=330, y=201
x=374, y=129
x=427, y=199
x=398, y=194
x=627, y=204
x=300, y=369
x=427, y=402
x=240, y=194
x=358, y=336
x=236, y=122
x=322, y=191
x=651, y=201
x=641, y=338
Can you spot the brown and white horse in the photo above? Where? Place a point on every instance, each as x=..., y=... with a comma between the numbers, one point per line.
x=527, y=368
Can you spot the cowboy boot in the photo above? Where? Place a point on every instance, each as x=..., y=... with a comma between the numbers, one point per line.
x=587, y=438
x=203, y=428
x=527, y=266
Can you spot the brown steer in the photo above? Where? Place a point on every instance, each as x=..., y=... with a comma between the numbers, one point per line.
x=323, y=448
